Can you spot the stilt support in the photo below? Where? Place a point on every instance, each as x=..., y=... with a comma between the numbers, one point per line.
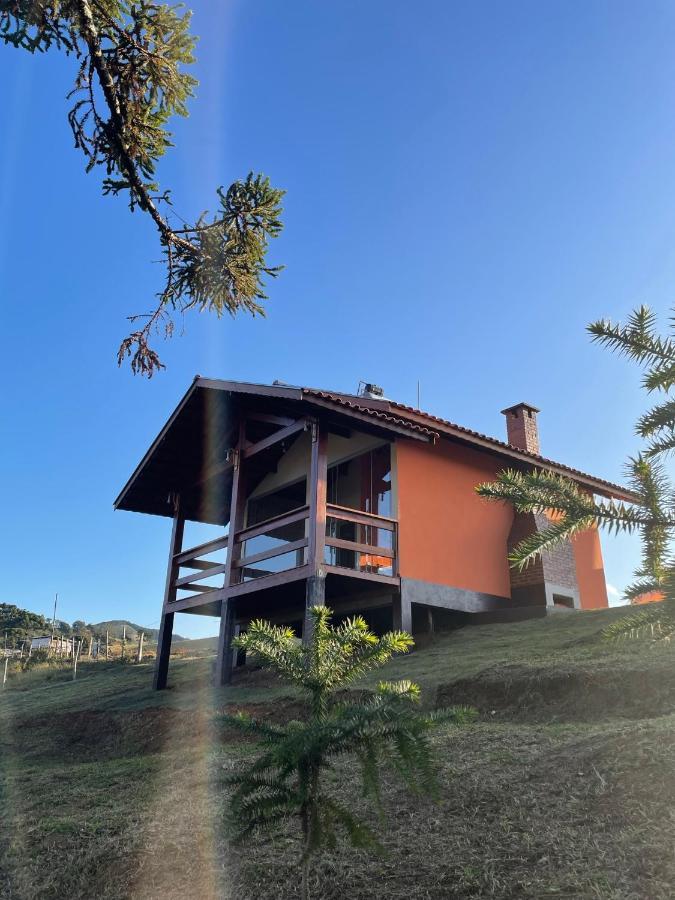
x=315, y=596
x=163, y=651
x=166, y=622
x=224, y=658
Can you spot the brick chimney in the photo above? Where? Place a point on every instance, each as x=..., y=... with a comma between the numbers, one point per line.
x=521, y=427
x=551, y=580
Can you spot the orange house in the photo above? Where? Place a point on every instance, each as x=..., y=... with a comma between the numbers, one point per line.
x=353, y=500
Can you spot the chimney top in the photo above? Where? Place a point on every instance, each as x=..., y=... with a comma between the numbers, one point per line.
x=521, y=427
x=518, y=406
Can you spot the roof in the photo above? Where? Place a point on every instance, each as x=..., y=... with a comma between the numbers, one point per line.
x=176, y=462
x=451, y=429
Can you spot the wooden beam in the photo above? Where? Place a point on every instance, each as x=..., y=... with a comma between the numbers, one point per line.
x=183, y=558
x=163, y=651
x=318, y=477
x=216, y=469
x=360, y=548
x=281, y=421
x=199, y=588
x=237, y=511
x=366, y=576
x=268, y=581
x=280, y=521
x=200, y=576
x=361, y=518
x=185, y=604
x=315, y=595
x=290, y=547
x=166, y=621
x=201, y=564
x=272, y=439
x=225, y=658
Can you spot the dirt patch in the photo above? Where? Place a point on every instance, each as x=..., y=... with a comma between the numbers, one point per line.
x=528, y=694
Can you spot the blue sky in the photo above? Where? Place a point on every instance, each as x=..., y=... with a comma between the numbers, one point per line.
x=468, y=185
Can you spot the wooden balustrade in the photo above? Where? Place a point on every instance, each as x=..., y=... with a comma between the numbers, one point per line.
x=205, y=569
x=369, y=555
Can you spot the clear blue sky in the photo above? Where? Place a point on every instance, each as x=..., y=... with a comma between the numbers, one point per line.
x=470, y=183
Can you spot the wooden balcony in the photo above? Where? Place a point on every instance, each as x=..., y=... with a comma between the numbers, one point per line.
x=370, y=555
x=279, y=566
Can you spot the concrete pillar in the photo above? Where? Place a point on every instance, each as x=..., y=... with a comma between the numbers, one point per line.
x=402, y=613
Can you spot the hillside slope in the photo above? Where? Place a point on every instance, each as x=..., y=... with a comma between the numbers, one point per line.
x=563, y=788
x=116, y=629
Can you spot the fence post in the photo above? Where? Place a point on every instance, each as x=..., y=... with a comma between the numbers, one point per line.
x=139, y=658
x=4, y=677
x=107, y=644
x=76, y=653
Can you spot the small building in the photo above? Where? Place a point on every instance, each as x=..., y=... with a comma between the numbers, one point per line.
x=60, y=646
x=357, y=501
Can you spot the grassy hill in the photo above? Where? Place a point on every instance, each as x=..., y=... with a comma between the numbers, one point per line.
x=116, y=629
x=196, y=645
x=563, y=788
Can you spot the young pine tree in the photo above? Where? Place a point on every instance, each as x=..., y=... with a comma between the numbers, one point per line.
x=130, y=82
x=653, y=512
x=287, y=780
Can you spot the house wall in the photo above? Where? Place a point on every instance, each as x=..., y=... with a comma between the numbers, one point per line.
x=447, y=533
x=590, y=569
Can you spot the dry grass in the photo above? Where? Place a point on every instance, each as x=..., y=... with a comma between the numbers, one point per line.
x=108, y=790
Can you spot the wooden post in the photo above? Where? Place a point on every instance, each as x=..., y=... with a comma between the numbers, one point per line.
x=4, y=677
x=225, y=635
x=166, y=621
x=107, y=644
x=76, y=653
x=91, y=641
x=318, y=474
x=139, y=657
x=237, y=511
x=124, y=642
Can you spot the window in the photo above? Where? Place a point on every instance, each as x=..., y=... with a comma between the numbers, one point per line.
x=362, y=483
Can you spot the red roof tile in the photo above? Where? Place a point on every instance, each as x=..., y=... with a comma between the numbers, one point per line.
x=380, y=410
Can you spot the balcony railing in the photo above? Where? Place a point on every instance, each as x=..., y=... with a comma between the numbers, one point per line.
x=361, y=542
x=356, y=542
x=207, y=561
x=280, y=543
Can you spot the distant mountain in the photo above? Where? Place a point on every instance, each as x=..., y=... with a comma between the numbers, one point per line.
x=115, y=627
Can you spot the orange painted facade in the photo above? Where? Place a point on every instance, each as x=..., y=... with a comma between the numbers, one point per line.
x=449, y=535
x=590, y=569
x=649, y=597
